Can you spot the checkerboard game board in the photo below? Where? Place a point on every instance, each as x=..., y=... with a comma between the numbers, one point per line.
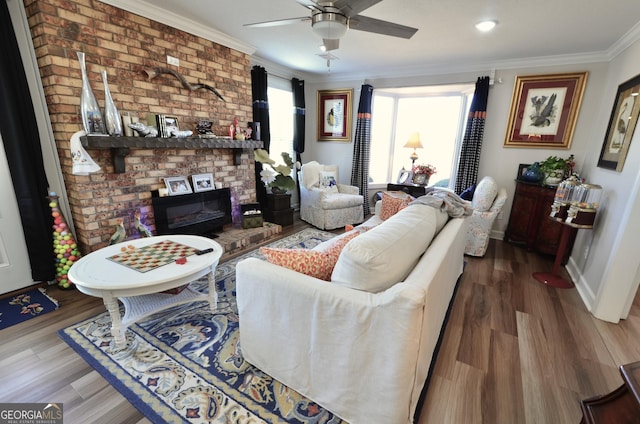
x=150, y=257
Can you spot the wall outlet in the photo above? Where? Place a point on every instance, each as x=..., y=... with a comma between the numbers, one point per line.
x=173, y=60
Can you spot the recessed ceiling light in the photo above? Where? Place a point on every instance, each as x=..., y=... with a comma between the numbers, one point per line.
x=485, y=26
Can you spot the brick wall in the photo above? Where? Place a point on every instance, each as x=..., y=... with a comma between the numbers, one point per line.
x=123, y=44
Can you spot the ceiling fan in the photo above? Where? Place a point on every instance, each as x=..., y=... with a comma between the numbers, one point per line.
x=331, y=19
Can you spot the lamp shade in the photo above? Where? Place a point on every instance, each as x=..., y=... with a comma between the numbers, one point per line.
x=329, y=26
x=414, y=141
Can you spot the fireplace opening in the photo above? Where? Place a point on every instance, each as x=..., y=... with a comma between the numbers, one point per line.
x=204, y=213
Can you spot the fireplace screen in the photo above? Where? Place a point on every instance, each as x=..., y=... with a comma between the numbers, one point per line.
x=198, y=213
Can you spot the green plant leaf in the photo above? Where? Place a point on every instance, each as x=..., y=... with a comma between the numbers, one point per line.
x=262, y=156
x=284, y=182
x=283, y=169
x=287, y=159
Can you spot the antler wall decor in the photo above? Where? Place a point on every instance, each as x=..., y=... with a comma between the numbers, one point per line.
x=154, y=72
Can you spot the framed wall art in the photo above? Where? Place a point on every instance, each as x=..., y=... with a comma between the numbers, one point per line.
x=335, y=113
x=544, y=110
x=622, y=124
x=203, y=182
x=177, y=185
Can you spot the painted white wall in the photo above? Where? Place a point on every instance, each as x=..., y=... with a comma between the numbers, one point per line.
x=606, y=278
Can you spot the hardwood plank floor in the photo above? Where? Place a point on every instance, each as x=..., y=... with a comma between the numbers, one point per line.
x=514, y=351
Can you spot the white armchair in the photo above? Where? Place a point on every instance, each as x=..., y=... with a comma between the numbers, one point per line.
x=487, y=203
x=326, y=204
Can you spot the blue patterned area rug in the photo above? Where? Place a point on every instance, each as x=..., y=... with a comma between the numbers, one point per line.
x=185, y=364
x=22, y=307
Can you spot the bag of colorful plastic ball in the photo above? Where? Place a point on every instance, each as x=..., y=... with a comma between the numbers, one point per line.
x=65, y=248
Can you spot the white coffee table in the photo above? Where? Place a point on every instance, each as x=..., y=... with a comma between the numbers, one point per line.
x=140, y=292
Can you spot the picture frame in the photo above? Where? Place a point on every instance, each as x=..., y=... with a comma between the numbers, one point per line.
x=544, y=110
x=335, y=115
x=522, y=168
x=171, y=125
x=405, y=177
x=203, y=182
x=622, y=125
x=419, y=179
x=177, y=186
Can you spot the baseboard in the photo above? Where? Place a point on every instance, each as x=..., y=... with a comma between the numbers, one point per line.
x=585, y=292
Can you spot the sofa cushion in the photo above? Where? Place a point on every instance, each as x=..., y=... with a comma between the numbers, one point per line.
x=485, y=193
x=386, y=254
x=393, y=202
x=340, y=200
x=312, y=262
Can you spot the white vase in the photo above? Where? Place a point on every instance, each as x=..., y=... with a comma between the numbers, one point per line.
x=112, y=121
x=89, y=110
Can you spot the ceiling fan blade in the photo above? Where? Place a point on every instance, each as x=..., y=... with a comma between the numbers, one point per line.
x=331, y=44
x=310, y=4
x=278, y=22
x=352, y=7
x=363, y=23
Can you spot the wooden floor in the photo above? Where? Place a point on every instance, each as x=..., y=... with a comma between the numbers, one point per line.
x=514, y=351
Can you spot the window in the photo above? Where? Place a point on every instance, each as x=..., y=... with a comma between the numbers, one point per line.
x=438, y=113
x=280, y=118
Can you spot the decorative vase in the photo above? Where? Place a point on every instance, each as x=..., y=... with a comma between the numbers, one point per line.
x=89, y=110
x=112, y=121
x=533, y=174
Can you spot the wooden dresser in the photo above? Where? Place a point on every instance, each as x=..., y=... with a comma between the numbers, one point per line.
x=622, y=406
x=529, y=221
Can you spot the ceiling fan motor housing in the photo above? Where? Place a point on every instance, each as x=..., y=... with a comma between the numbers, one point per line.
x=329, y=25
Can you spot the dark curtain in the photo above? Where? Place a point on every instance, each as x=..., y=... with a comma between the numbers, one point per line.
x=362, y=145
x=299, y=111
x=472, y=141
x=260, y=114
x=24, y=156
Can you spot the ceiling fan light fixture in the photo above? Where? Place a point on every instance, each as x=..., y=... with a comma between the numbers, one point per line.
x=486, y=26
x=329, y=26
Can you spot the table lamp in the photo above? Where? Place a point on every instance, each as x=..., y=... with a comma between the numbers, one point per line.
x=414, y=142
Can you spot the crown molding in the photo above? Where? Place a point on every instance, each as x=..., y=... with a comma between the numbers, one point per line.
x=625, y=41
x=169, y=18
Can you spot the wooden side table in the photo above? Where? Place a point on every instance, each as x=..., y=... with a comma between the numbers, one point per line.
x=412, y=189
x=622, y=406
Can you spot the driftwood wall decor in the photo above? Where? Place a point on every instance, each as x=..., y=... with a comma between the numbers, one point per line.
x=154, y=72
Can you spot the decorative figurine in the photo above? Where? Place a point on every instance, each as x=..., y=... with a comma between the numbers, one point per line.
x=144, y=130
x=142, y=229
x=120, y=234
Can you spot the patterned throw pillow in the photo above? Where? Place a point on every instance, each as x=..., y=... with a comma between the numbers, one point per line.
x=393, y=202
x=315, y=263
x=328, y=181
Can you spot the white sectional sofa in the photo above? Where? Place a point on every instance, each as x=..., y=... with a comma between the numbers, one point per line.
x=360, y=345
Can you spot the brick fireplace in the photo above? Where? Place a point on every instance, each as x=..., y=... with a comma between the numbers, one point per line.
x=123, y=44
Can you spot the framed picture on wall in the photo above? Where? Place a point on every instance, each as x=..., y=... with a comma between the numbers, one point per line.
x=335, y=113
x=622, y=124
x=544, y=110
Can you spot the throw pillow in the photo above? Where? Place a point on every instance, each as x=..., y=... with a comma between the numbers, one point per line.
x=328, y=181
x=393, y=202
x=315, y=263
x=468, y=193
x=485, y=193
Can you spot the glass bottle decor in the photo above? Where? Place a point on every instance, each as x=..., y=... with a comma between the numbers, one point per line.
x=112, y=121
x=89, y=110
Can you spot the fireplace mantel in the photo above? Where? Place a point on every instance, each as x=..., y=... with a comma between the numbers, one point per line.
x=120, y=145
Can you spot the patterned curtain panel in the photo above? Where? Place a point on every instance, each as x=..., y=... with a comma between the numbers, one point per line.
x=362, y=145
x=24, y=155
x=299, y=111
x=472, y=142
x=260, y=114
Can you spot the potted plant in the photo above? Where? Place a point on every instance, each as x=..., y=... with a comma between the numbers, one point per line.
x=277, y=177
x=556, y=169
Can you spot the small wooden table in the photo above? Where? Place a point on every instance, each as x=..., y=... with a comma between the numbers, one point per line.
x=621, y=406
x=140, y=292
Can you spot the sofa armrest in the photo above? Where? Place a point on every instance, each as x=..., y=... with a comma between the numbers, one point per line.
x=348, y=189
x=351, y=351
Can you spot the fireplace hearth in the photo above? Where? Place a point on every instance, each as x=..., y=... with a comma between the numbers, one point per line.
x=203, y=213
